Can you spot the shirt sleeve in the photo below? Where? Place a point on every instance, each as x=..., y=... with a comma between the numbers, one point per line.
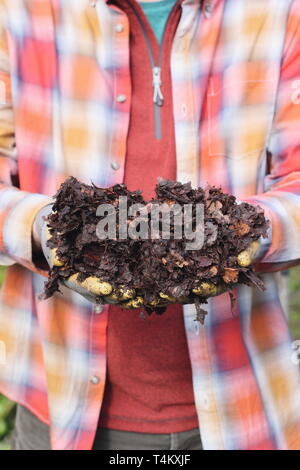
x=17, y=208
x=281, y=199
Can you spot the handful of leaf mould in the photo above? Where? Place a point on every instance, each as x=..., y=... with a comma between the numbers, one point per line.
x=152, y=265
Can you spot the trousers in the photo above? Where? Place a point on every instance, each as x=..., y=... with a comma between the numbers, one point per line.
x=30, y=433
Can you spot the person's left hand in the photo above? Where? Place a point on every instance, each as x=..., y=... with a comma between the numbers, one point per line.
x=205, y=289
x=245, y=258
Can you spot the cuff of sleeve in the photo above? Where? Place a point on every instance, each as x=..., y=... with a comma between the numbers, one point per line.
x=17, y=230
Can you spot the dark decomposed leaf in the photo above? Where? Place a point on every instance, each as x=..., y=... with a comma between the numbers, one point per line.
x=153, y=265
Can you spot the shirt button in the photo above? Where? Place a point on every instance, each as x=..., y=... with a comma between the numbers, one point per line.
x=115, y=165
x=205, y=401
x=95, y=379
x=208, y=9
x=121, y=98
x=184, y=109
x=119, y=28
x=98, y=309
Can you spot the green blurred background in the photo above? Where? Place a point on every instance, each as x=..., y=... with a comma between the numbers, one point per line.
x=7, y=408
x=294, y=302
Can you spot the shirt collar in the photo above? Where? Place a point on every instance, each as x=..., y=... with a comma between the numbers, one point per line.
x=207, y=5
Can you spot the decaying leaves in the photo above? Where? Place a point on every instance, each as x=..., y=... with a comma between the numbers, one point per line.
x=151, y=266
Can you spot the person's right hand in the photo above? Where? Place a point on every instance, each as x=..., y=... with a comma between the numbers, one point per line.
x=92, y=288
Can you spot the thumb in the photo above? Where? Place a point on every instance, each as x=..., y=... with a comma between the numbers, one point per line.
x=93, y=285
x=49, y=253
x=246, y=257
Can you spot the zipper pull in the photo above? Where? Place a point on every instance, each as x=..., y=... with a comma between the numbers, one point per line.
x=157, y=95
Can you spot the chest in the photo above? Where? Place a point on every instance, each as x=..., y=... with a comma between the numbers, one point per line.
x=71, y=80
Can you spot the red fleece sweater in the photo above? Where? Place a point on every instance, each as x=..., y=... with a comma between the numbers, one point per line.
x=149, y=379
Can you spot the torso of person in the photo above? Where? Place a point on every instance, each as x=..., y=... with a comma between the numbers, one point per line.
x=149, y=378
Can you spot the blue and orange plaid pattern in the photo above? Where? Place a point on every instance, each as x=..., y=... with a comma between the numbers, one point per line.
x=235, y=72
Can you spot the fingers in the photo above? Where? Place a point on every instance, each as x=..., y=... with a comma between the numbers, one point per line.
x=126, y=297
x=206, y=289
x=167, y=297
x=175, y=300
x=93, y=287
x=157, y=303
x=50, y=254
x=54, y=259
x=246, y=257
x=161, y=302
x=121, y=294
x=91, y=284
x=96, y=286
x=137, y=302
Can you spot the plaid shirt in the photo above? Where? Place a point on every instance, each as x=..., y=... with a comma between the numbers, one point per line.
x=235, y=75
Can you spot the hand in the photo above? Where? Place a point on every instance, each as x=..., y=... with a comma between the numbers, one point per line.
x=92, y=288
x=245, y=258
x=98, y=291
x=205, y=289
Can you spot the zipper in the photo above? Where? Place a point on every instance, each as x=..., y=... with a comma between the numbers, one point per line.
x=158, y=98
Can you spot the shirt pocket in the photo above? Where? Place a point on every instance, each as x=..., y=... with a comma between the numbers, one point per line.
x=239, y=111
